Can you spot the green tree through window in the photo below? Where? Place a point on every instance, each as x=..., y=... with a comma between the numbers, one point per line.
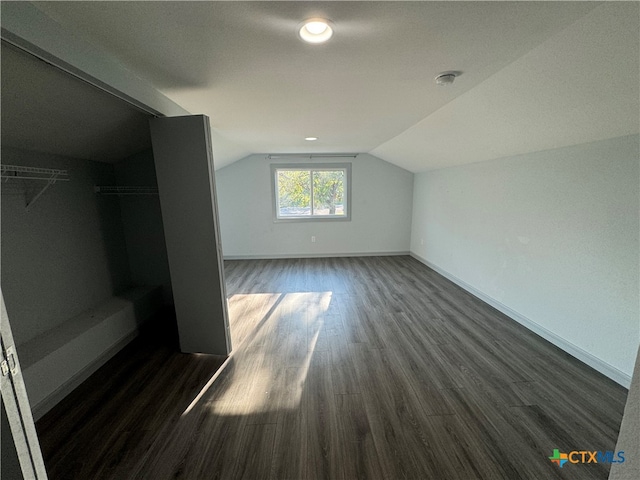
x=328, y=192
x=311, y=192
x=294, y=192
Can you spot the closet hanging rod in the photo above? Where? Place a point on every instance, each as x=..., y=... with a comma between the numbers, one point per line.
x=9, y=177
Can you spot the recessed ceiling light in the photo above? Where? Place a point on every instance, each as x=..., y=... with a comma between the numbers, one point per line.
x=315, y=30
x=311, y=139
x=445, y=78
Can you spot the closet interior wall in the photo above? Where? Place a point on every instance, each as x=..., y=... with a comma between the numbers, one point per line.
x=142, y=223
x=80, y=271
x=67, y=253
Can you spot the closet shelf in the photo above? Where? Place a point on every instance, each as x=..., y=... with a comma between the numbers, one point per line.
x=20, y=172
x=9, y=172
x=115, y=190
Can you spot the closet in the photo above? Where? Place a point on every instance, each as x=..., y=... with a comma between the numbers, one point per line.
x=84, y=252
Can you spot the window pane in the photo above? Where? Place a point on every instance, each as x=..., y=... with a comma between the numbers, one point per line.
x=294, y=193
x=328, y=192
x=308, y=192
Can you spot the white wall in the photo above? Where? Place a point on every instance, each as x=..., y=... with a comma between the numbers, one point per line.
x=551, y=235
x=380, y=215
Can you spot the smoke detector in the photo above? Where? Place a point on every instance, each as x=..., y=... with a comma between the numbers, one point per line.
x=445, y=78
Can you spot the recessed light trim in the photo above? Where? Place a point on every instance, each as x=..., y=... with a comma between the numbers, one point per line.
x=315, y=30
x=311, y=139
x=445, y=78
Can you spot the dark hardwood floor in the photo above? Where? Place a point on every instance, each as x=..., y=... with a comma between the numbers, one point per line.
x=343, y=368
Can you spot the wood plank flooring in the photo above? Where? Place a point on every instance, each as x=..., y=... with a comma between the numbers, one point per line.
x=343, y=368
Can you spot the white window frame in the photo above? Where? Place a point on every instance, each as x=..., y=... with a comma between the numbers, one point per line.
x=311, y=167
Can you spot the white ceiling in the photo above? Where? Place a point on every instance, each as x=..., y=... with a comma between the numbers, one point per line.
x=535, y=75
x=579, y=86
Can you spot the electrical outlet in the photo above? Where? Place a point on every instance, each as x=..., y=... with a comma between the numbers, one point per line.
x=313, y=239
x=422, y=241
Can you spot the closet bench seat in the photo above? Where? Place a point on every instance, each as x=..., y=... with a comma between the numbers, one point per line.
x=58, y=360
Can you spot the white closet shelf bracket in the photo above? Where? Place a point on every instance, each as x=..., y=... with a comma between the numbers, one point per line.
x=48, y=175
x=116, y=190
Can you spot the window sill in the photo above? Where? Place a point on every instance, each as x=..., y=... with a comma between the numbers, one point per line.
x=312, y=219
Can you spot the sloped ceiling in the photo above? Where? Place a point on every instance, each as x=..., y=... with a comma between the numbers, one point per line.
x=579, y=86
x=535, y=75
x=47, y=110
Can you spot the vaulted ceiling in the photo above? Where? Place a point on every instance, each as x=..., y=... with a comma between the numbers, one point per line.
x=534, y=75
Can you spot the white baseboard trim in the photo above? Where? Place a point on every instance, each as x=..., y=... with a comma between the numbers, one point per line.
x=573, y=350
x=268, y=256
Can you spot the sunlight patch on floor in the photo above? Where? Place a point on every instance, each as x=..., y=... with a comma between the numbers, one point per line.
x=271, y=362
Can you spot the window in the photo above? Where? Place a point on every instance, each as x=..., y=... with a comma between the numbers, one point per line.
x=312, y=192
